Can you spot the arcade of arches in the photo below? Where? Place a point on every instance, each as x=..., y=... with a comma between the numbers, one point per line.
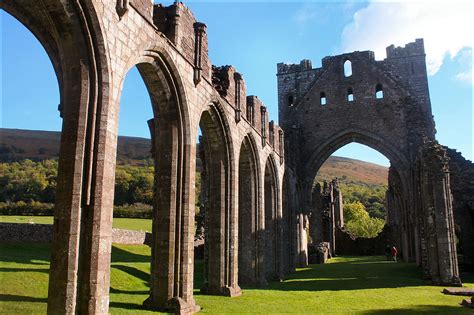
x=258, y=186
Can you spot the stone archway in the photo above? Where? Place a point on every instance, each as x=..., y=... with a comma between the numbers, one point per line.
x=272, y=258
x=250, y=234
x=220, y=265
x=384, y=105
x=171, y=279
x=401, y=220
x=71, y=41
x=92, y=46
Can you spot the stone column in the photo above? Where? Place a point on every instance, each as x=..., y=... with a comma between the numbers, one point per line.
x=65, y=247
x=302, y=242
x=438, y=214
x=315, y=223
x=172, y=271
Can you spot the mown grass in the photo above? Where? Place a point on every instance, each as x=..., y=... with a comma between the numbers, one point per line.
x=118, y=223
x=356, y=285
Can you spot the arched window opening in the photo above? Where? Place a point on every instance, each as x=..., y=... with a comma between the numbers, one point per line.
x=271, y=258
x=291, y=100
x=323, y=100
x=347, y=68
x=249, y=213
x=218, y=246
x=36, y=109
x=378, y=91
x=135, y=169
x=353, y=200
x=350, y=95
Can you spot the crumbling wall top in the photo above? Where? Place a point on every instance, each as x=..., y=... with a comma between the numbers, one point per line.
x=304, y=64
x=415, y=48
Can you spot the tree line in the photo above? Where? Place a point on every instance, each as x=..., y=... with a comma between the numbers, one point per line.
x=35, y=182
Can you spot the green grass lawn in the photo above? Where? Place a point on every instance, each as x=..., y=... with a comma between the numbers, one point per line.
x=119, y=223
x=356, y=285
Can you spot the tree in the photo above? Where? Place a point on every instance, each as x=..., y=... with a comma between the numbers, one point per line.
x=359, y=223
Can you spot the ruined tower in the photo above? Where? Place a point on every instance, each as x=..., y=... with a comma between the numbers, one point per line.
x=385, y=105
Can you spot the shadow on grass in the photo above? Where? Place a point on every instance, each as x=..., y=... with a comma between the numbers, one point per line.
x=121, y=255
x=24, y=270
x=422, y=309
x=21, y=298
x=117, y=291
x=127, y=306
x=354, y=273
x=25, y=253
x=144, y=276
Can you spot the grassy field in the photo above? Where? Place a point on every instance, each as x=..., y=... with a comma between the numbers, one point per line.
x=356, y=285
x=119, y=223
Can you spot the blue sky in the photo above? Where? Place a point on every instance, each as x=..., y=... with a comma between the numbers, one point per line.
x=254, y=37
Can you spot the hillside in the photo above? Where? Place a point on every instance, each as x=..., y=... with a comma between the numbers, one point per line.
x=16, y=144
x=351, y=170
x=19, y=144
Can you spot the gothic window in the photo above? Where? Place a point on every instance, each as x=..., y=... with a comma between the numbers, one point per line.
x=347, y=68
x=350, y=95
x=323, y=100
x=291, y=100
x=378, y=91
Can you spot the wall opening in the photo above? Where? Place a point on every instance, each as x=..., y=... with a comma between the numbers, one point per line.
x=347, y=68
x=248, y=214
x=379, y=91
x=215, y=181
x=135, y=167
x=291, y=100
x=30, y=98
x=322, y=99
x=349, y=194
x=271, y=223
x=350, y=95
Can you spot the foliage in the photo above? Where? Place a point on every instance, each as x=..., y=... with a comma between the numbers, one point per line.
x=28, y=188
x=137, y=210
x=28, y=181
x=359, y=223
x=134, y=184
x=372, y=196
x=26, y=208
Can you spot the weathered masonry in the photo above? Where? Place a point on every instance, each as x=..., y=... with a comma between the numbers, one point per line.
x=386, y=106
x=92, y=45
x=255, y=191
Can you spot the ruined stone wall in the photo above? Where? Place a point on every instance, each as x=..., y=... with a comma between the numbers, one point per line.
x=387, y=125
x=461, y=173
x=20, y=232
x=386, y=106
x=327, y=214
x=93, y=45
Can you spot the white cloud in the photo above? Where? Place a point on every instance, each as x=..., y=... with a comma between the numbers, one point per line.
x=465, y=76
x=465, y=61
x=447, y=28
x=306, y=13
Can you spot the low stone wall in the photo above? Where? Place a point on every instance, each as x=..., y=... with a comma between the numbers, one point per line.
x=43, y=233
x=32, y=232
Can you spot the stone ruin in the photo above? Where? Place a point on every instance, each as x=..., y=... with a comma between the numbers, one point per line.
x=252, y=239
x=385, y=105
x=327, y=215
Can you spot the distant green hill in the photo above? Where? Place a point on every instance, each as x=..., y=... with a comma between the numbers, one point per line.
x=18, y=144
x=36, y=145
x=353, y=171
